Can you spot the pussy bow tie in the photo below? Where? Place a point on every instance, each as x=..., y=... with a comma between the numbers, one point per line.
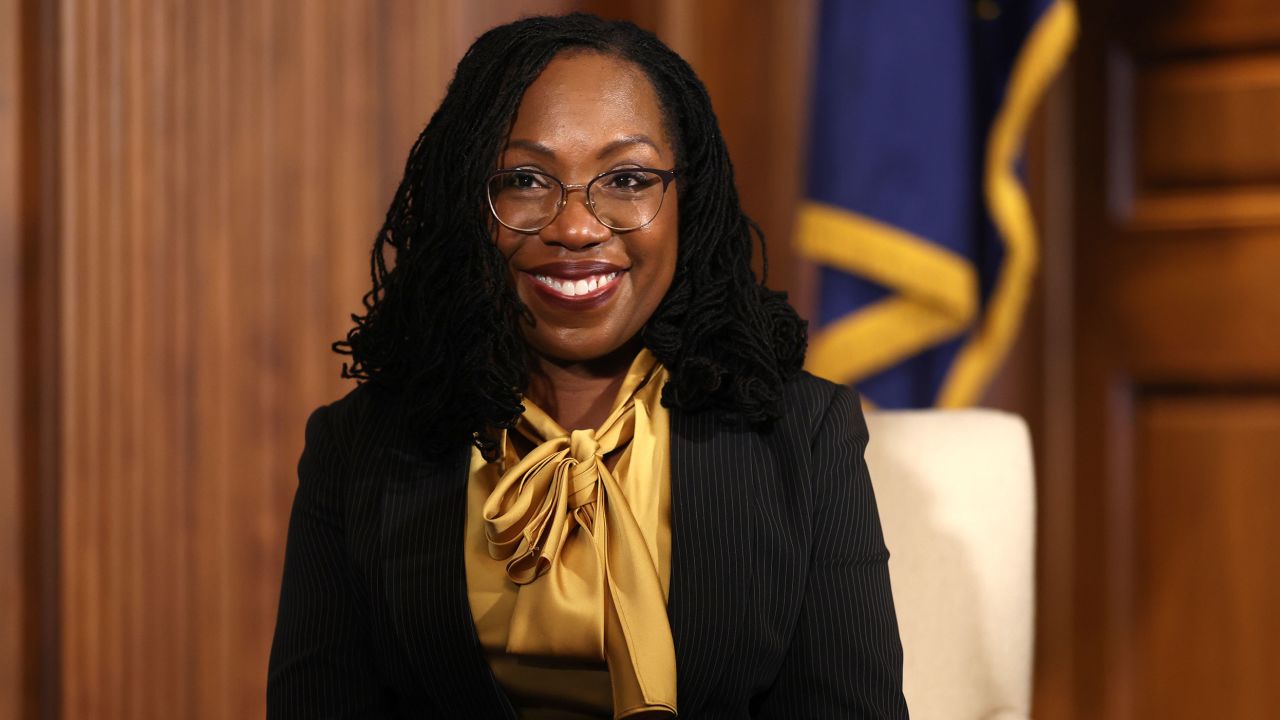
x=589, y=587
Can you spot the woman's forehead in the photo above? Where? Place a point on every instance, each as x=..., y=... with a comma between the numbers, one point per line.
x=587, y=102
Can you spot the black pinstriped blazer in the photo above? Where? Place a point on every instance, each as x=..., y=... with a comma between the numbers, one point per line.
x=780, y=604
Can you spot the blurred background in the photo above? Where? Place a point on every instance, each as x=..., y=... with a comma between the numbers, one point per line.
x=188, y=194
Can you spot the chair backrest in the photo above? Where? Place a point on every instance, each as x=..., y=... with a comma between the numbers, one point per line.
x=955, y=489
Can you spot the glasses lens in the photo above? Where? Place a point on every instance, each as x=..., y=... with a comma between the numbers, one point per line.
x=524, y=199
x=627, y=199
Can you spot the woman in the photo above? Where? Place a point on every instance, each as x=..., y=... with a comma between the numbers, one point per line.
x=584, y=475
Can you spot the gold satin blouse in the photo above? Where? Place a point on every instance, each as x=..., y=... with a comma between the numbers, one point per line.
x=569, y=563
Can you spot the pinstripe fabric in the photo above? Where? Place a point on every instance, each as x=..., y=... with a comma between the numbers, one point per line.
x=780, y=603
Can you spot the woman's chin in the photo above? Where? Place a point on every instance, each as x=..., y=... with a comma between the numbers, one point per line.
x=581, y=347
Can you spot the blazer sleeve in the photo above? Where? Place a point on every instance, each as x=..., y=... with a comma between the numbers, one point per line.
x=321, y=664
x=845, y=657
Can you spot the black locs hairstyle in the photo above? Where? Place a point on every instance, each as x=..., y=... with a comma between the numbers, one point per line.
x=442, y=327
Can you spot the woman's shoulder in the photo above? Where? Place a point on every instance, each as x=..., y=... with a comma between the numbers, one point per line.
x=806, y=404
x=810, y=400
x=360, y=400
x=369, y=412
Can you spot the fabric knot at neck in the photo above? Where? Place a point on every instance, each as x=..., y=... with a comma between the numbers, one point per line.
x=584, y=455
x=589, y=587
x=583, y=446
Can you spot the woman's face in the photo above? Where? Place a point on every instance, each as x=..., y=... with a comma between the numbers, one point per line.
x=590, y=289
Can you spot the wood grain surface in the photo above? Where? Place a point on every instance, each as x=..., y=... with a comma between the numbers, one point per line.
x=1178, y=360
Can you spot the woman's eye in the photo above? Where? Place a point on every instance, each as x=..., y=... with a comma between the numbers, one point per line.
x=525, y=180
x=630, y=181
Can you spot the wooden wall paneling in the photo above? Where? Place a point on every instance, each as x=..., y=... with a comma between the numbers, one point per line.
x=1105, y=686
x=755, y=59
x=1221, y=283
x=1055, y=443
x=1193, y=25
x=80, y=622
x=1095, y=673
x=1207, y=535
x=473, y=18
x=39, y=313
x=13, y=597
x=1177, y=363
x=1195, y=121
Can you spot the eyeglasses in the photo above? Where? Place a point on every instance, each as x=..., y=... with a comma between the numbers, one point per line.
x=627, y=199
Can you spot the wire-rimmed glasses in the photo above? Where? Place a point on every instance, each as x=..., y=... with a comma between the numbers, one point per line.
x=527, y=200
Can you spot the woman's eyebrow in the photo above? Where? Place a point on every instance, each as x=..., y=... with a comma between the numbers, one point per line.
x=532, y=146
x=538, y=148
x=626, y=142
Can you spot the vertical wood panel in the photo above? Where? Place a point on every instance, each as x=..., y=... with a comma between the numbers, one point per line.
x=41, y=352
x=1209, y=467
x=761, y=98
x=13, y=600
x=214, y=234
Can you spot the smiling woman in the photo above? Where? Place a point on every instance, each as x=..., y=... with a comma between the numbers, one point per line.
x=590, y=286
x=583, y=474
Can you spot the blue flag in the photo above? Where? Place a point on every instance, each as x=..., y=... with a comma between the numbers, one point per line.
x=914, y=209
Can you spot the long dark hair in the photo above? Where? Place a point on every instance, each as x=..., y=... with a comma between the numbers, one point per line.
x=442, y=323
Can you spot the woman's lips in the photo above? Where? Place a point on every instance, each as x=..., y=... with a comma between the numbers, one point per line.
x=576, y=293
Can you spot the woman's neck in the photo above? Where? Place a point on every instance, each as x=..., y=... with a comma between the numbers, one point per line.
x=580, y=395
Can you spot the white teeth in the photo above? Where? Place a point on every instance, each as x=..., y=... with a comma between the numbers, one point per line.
x=574, y=288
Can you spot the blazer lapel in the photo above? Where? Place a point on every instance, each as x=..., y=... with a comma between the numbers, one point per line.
x=423, y=523
x=710, y=548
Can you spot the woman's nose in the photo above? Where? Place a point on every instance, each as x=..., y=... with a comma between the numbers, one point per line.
x=576, y=227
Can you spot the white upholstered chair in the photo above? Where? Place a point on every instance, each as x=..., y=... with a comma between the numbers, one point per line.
x=956, y=495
